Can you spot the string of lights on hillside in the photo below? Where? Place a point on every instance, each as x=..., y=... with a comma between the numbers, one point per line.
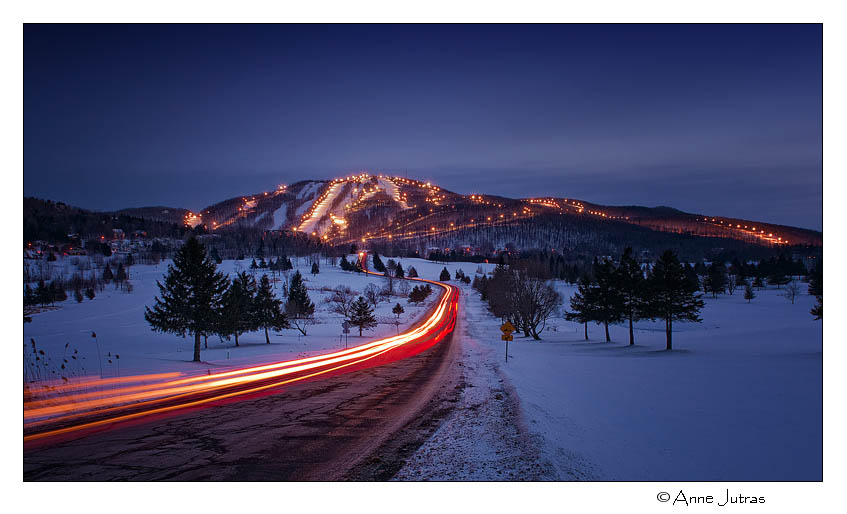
x=246, y=207
x=327, y=222
x=749, y=230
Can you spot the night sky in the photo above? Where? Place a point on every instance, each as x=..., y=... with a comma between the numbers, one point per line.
x=713, y=119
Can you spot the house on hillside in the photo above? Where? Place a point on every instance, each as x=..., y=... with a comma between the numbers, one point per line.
x=464, y=248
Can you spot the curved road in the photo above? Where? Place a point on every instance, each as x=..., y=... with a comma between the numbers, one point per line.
x=359, y=425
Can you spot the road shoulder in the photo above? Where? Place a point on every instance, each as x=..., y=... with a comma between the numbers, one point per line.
x=484, y=436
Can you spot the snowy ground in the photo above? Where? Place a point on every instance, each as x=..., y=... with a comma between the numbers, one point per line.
x=118, y=320
x=485, y=437
x=739, y=399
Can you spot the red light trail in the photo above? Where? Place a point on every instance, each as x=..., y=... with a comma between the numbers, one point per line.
x=85, y=406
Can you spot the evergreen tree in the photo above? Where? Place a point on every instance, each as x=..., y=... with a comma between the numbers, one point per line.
x=609, y=300
x=78, y=295
x=107, y=274
x=778, y=278
x=57, y=294
x=344, y=264
x=417, y=295
x=215, y=256
x=29, y=296
x=583, y=304
x=237, y=309
x=748, y=292
x=631, y=284
x=299, y=307
x=716, y=279
x=669, y=297
x=362, y=315
x=120, y=274
x=267, y=309
x=262, y=263
x=817, y=310
x=190, y=296
x=412, y=273
x=571, y=274
x=398, y=271
x=89, y=293
x=42, y=294
x=253, y=264
x=692, y=278
x=378, y=265
x=816, y=290
x=445, y=275
x=398, y=310
x=758, y=283
x=816, y=282
x=315, y=268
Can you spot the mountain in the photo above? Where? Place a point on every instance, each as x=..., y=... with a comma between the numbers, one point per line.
x=57, y=222
x=380, y=208
x=398, y=213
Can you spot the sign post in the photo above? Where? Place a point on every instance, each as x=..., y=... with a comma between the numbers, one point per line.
x=346, y=330
x=507, y=329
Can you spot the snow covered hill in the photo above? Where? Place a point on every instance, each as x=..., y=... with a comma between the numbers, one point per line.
x=383, y=209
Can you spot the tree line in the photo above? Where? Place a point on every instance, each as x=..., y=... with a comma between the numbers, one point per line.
x=195, y=299
x=615, y=294
x=48, y=292
x=198, y=300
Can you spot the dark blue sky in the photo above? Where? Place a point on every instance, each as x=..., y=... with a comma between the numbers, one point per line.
x=715, y=119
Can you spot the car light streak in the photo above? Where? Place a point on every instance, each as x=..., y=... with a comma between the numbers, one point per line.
x=85, y=406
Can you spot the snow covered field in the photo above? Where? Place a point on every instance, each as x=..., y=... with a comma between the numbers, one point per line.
x=118, y=320
x=738, y=399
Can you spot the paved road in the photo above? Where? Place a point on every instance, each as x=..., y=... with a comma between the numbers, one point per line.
x=357, y=426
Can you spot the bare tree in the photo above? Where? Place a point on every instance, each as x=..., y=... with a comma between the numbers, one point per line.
x=537, y=302
x=390, y=274
x=792, y=289
x=526, y=302
x=731, y=283
x=341, y=300
x=373, y=295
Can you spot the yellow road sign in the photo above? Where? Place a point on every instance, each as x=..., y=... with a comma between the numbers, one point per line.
x=507, y=328
x=506, y=337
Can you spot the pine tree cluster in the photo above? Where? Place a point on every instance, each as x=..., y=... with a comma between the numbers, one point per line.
x=196, y=299
x=420, y=293
x=624, y=293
